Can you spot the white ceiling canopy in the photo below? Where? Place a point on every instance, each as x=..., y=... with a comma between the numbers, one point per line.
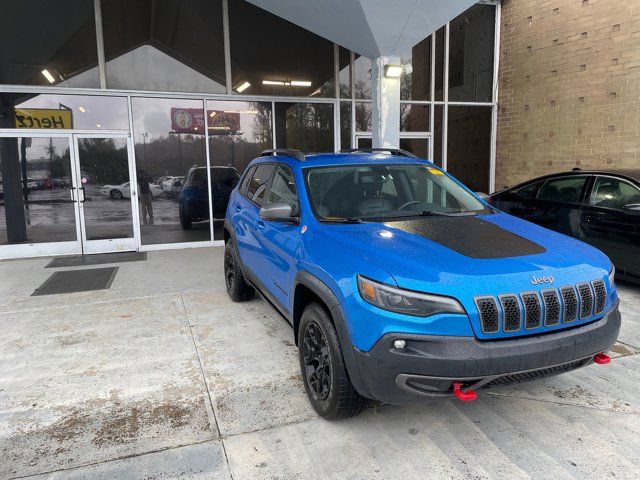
x=372, y=28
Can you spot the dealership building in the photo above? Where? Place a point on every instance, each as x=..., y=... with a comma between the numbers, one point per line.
x=109, y=107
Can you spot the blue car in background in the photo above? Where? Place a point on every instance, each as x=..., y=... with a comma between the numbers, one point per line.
x=193, y=202
x=402, y=285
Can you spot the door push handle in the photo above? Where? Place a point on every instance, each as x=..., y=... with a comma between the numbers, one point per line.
x=82, y=188
x=73, y=197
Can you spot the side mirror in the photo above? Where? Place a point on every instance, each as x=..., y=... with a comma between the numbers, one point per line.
x=484, y=196
x=632, y=209
x=278, y=212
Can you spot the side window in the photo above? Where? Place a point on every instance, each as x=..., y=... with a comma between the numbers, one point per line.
x=258, y=183
x=613, y=193
x=564, y=189
x=246, y=180
x=283, y=189
x=527, y=191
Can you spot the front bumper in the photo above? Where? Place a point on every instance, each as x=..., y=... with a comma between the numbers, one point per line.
x=429, y=364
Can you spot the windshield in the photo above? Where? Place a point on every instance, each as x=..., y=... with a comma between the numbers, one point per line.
x=358, y=192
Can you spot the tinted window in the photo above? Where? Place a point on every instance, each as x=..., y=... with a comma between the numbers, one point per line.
x=246, y=180
x=565, y=189
x=613, y=193
x=258, y=183
x=526, y=191
x=283, y=189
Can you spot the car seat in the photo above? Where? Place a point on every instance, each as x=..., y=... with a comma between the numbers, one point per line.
x=372, y=200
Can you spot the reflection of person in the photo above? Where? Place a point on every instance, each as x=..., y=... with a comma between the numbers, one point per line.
x=146, y=206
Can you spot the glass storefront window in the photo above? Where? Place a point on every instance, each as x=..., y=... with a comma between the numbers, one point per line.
x=238, y=133
x=414, y=117
x=417, y=146
x=35, y=191
x=471, y=46
x=48, y=43
x=51, y=111
x=363, y=116
x=438, y=118
x=439, y=65
x=416, y=84
x=469, y=146
x=304, y=126
x=171, y=45
x=362, y=77
x=271, y=56
x=344, y=66
x=345, y=125
x=170, y=165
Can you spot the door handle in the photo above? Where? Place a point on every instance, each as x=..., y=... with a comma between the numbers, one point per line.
x=82, y=188
x=73, y=197
x=238, y=208
x=260, y=224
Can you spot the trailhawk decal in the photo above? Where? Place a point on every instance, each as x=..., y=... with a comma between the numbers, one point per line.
x=470, y=236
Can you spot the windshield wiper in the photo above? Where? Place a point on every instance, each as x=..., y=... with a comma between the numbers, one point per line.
x=342, y=220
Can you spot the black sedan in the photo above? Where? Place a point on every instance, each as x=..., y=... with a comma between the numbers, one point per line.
x=601, y=208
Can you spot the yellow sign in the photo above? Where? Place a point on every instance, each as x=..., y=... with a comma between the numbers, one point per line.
x=48, y=118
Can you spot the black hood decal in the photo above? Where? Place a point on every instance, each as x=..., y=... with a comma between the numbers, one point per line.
x=470, y=236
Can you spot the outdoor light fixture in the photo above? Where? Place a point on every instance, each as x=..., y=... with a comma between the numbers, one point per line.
x=48, y=76
x=82, y=109
x=392, y=71
x=212, y=114
x=292, y=83
x=241, y=87
x=98, y=125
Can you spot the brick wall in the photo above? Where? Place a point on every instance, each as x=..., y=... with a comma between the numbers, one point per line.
x=569, y=87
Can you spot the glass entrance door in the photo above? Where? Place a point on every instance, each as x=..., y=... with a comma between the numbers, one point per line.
x=104, y=193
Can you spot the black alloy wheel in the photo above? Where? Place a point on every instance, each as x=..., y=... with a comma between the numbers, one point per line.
x=317, y=361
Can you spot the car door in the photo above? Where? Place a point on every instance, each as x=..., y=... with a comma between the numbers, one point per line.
x=244, y=211
x=518, y=201
x=279, y=240
x=557, y=204
x=610, y=221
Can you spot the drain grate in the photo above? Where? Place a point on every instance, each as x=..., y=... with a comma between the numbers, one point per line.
x=72, y=281
x=96, y=259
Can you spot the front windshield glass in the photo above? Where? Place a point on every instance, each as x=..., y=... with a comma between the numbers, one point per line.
x=386, y=192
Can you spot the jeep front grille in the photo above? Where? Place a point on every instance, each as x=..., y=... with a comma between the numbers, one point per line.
x=586, y=300
x=551, y=307
x=529, y=310
x=489, y=314
x=511, y=312
x=532, y=310
x=601, y=295
x=570, y=302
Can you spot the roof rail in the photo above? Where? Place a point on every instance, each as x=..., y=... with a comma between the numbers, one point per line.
x=297, y=154
x=392, y=151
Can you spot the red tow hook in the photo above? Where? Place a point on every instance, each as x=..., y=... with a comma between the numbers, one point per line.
x=464, y=395
x=601, y=358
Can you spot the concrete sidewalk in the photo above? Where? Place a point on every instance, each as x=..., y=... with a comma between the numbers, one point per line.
x=162, y=376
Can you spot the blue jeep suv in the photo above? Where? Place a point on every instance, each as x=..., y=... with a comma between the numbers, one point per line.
x=403, y=285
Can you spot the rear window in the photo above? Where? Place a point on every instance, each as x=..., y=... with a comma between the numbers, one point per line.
x=565, y=189
x=258, y=183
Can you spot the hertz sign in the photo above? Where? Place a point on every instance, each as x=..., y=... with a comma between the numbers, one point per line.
x=47, y=118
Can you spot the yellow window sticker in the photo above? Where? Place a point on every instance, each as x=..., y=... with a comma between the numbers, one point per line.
x=435, y=171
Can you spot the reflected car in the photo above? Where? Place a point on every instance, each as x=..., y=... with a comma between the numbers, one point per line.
x=171, y=185
x=193, y=203
x=601, y=208
x=118, y=192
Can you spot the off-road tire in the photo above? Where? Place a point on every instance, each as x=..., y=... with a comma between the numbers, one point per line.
x=237, y=287
x=342, y=400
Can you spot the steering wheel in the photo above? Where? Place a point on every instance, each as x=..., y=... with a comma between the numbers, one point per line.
x=406, y=204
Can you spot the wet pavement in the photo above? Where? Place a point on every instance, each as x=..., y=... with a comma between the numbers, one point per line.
x=162, y=376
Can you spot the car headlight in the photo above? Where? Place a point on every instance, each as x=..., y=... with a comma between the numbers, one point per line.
x=406, y=301
x=612, y=276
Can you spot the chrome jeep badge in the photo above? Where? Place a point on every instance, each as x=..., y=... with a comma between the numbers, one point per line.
x=539, y=280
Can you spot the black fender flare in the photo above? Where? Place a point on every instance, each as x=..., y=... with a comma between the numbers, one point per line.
x=332, y=303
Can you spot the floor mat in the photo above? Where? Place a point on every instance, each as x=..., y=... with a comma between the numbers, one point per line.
x=96, y=259
x=72, y=281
